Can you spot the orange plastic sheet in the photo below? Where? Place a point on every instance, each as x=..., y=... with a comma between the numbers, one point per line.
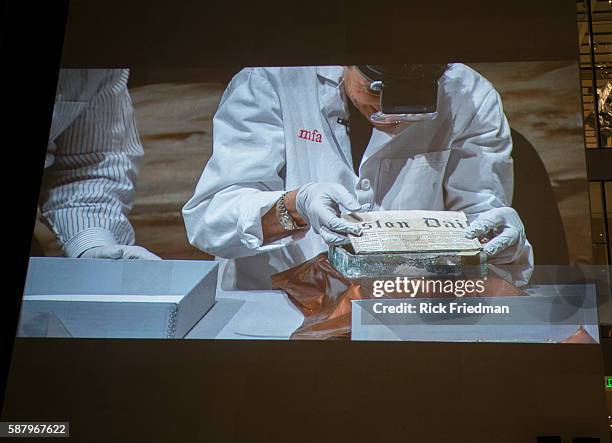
x=324, y=296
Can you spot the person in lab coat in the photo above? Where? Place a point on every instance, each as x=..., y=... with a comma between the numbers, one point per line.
x=91, y=165
x=285, y=163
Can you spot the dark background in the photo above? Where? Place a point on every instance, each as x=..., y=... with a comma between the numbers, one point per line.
x=244, y=391
x=192, y=34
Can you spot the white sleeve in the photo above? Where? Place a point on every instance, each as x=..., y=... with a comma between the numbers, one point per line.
x=479, y=174
x=244, y=176
x=89, y=190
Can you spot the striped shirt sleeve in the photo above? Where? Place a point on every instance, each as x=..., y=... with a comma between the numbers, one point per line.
x=88, y=191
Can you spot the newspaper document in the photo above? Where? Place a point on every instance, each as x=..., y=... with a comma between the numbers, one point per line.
x=411, y=231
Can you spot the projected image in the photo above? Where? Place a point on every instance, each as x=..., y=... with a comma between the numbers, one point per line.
x=418, y=202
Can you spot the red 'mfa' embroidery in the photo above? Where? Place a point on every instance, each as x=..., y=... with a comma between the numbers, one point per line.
x=313, y=136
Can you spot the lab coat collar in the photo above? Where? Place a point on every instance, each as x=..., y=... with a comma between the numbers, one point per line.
x=332, y=104
x=332, y=74
x=332, y=107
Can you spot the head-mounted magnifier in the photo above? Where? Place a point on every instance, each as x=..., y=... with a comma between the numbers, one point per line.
x=407, y=92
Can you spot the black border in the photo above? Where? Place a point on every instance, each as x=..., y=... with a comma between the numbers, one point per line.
x=31, y=45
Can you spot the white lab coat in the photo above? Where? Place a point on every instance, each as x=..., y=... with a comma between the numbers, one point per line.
x=459, y=161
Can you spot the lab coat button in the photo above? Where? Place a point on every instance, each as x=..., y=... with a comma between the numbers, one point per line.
x=365, y=184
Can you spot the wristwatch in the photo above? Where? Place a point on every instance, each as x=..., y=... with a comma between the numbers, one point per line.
x=284, y=218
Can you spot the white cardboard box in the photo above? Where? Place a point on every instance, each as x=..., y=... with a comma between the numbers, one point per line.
x=121, y=298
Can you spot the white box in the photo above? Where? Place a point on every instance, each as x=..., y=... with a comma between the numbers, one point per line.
x=98, y=298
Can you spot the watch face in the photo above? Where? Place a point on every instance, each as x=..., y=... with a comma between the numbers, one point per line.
x=284, y=218
x=287, y=223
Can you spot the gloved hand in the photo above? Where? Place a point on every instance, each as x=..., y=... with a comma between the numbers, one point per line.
x=319, y=204
x=119, y=251
x=504, y=232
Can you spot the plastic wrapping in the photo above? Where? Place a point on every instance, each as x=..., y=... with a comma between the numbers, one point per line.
x=324, y=297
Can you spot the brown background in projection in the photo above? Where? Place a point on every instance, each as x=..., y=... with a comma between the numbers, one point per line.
x=541, y=101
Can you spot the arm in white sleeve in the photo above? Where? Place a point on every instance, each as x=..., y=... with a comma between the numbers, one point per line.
x=89, y=190
x=479, y=174
x=244, y=176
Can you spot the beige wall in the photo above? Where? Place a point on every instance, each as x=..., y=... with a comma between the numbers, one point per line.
x=175, y=125
x=542, y=101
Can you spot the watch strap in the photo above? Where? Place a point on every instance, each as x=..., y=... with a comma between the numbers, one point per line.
x=284, y=218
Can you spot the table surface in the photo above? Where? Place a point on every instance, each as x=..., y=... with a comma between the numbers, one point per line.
x=249, y=315
x=270, y=315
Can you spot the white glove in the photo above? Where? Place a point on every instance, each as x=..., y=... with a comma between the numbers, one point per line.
x=504, y=232
x=119, y=251
x=319, y=204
